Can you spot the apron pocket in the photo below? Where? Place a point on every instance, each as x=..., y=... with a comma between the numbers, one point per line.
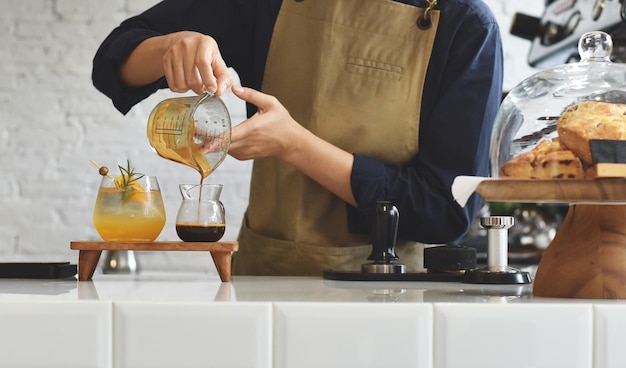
x=262, y=255
x=374, y=69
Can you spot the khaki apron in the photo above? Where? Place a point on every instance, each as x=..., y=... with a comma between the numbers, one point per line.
x=352, y=72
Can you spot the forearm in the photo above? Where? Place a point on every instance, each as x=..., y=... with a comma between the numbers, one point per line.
x=145, y=64
x=323, y=162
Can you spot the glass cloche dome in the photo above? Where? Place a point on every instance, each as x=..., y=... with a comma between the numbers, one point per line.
x=545, y=124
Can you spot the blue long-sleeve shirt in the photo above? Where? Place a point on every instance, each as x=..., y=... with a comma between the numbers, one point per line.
x=462, y=93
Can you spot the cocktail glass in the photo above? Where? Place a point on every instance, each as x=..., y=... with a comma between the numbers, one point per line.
x=134, y=213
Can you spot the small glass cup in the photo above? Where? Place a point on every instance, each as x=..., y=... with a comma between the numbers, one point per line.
x=134, y=214
x=201, y=216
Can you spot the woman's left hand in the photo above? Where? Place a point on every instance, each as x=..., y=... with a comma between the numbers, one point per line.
x=269, y=132
x=273, y=132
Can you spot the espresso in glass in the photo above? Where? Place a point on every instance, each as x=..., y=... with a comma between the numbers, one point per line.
x=200, y=233
x=201, y=216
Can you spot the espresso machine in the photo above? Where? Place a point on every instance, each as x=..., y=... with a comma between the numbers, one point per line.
x=554, y=36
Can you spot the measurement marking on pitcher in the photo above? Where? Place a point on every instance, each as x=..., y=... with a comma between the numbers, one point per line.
x=169, y=131
x=173, y=128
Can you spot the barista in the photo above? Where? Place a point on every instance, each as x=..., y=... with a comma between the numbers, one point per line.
x=361, y=101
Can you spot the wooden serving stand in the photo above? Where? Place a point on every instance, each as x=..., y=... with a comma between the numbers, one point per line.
x=587, y=257
x=89, y=253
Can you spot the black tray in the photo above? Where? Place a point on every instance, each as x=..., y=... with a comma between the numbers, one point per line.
x=417, y=276
x=37, y=270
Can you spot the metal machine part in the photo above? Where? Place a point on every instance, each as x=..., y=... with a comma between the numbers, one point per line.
x=497, y=270
x=563, y=22
x=120, y=262
x=497, y=241
x=382, y=268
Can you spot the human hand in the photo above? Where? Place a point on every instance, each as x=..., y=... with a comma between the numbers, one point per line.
x=269, y=132
x=192, y=61
x=273, y=132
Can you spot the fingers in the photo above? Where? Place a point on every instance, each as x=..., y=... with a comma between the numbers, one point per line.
x=224, y=78
x=267, y=133
x=193, y=62
x=204, y=59
x=216, y=78
x=259, y=99
x=174, y=70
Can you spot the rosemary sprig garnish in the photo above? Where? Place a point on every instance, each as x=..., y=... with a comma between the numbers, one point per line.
x=128, y=176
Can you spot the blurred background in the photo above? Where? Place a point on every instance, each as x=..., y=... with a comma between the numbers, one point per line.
x=53, y=121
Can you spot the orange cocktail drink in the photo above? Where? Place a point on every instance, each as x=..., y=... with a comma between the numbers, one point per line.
x=129, y=213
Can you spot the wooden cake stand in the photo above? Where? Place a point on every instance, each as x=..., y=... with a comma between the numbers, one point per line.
x=89, y=253
x=587, y=257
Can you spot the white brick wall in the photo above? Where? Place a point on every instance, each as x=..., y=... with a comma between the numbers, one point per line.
x=53, y=121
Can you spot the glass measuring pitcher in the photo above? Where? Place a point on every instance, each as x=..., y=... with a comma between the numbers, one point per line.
x=201, y=216
x=194, y=131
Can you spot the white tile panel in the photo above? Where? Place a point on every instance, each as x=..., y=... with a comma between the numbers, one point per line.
x=188, y=335
x=55, y=334
x=609, y=336
x=364, y=335
x=513, y=335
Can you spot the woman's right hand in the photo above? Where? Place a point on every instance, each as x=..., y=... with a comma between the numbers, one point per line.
x=188, y=60
x=192, y=61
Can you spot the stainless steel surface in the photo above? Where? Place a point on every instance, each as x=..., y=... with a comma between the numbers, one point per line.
x=497, y=241
x=119, y=262
x=382, y=268
x=497, y=270
x=497, y=222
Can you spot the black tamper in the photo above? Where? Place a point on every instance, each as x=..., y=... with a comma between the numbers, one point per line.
x=497, y=270
x=384, y=221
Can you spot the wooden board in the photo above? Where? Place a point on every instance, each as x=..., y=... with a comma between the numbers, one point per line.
x=605, y=190
x=89, y=253
x=156, y=246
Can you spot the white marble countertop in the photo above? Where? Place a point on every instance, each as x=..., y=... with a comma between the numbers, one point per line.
x=208, y=288
x=157, y=320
